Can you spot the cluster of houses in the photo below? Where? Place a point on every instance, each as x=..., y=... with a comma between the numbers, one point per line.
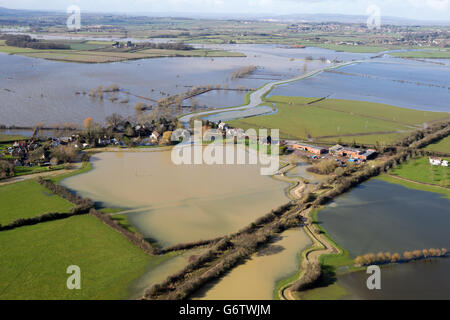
x=20, y=150
x=434, y=161
x=226, y=130
x=353, y=154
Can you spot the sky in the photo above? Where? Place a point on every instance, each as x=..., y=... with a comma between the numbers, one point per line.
x=412, y=9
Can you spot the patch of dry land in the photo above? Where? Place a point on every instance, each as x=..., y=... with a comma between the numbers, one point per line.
x=95, y=53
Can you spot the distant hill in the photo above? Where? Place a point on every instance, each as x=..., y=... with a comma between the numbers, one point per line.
x=294, y=18
x=342, y=18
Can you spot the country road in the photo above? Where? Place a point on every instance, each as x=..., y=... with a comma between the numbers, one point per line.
x=256, y=98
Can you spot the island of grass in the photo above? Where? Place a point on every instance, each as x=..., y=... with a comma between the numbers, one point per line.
x=103, y=52
x=333, y=120
x=34, y=259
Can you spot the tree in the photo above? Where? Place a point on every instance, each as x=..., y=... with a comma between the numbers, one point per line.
x=6, y=169
x=166, y=138
x=65, y=154
x=87, y=122
x=114, y=120
x=36, y=155
x=140, y=107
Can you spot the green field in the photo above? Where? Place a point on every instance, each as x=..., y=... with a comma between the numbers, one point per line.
x=10, y=138
x=435, y=54
x=420, y=170
x=354, y=49
x=28, y=199
x=441, y=146
x=22, y=171
x=334, y=120
x=34, y=260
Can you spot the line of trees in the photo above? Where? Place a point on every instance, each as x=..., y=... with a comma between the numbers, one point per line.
x=52, y=216
x=25, y=41
x=134, y=238
x=242, y=72
x=166, y=46
x=432, y=134
x=66, y=193
x=387, y=257
x=312, y=273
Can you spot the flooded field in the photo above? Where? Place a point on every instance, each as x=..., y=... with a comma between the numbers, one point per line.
x=257, y=277
x=160, y=273
x=174, y=204
x=428, y=279
x=380, y=216
x=408, y=84
x=35, y=90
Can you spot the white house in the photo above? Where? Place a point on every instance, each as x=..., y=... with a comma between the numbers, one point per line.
x=435, y=161
x=223, y=126
x=155, y=135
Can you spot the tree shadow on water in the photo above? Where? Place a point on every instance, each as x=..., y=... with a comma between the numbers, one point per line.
x=327, y=277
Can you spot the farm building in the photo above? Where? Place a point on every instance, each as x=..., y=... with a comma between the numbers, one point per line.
x=309, y=148
x=353, y=153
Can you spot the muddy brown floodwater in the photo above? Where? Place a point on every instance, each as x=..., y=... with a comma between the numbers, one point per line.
x=256, y=279
x=175, y=204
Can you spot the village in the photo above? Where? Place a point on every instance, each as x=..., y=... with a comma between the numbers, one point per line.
x=38, y=153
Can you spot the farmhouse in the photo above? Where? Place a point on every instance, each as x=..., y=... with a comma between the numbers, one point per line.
x=309, y=148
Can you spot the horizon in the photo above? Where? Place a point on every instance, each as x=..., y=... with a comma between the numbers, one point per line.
x=427, y=10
